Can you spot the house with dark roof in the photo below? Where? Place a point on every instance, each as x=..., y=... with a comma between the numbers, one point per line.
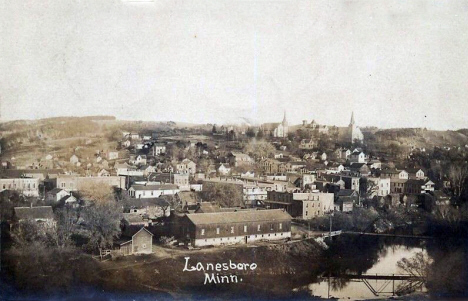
x=153, y=208
x=348, y=195
x=360, y=168
x=43, y=215
x=239, y=159
x=131, y=219
x=219, y=228
x=56, y=194
x=416, y=173
x=394, y=174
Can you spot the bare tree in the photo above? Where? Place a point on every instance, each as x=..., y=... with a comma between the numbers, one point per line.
x=67, y=223
x=458, y=175
x=98, y=192
x=417, y=266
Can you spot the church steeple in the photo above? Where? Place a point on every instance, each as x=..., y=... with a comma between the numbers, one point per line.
x=285, y=122
x=352, y=119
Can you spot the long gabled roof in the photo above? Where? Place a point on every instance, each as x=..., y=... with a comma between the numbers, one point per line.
x=40, y=212
x=239, y=217
x=154, y=187
x=146, y=202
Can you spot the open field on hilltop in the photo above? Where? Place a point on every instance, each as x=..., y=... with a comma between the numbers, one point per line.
x=190, y=137
x=84, y=147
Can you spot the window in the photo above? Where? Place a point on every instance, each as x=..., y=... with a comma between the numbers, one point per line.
x=144, y=246
x=307, y=213
x=232, y=229
x=258, y=228
x=280, y=226
x=245, y=228
x=202, y=231
x=217, y=230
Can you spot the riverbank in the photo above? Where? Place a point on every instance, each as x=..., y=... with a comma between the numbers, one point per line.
x=287, y=264
x=278, y=269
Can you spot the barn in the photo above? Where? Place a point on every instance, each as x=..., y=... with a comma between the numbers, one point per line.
x=140, y=243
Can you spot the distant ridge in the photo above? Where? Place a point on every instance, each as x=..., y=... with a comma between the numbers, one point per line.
x=93, y=118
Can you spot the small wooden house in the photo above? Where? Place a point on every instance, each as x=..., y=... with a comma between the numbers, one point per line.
x=141, y=243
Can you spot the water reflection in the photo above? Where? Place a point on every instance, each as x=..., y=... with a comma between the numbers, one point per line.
x=366, y=268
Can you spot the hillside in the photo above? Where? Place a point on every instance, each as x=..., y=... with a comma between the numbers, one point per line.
x=420, y=138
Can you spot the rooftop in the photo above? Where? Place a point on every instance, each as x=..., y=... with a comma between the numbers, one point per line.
x=154, y=187
x=40, y=212
x=239, y=217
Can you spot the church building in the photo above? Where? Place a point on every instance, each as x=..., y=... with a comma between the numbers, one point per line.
x=277, y=130
x=354, y=132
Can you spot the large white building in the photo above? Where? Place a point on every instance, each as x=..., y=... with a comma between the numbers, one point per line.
x=315, y=204
x=74, y=183
x=379, y=186
x=26, y=186
x=152, y=191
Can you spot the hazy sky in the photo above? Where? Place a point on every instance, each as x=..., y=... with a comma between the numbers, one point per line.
x=395, y=63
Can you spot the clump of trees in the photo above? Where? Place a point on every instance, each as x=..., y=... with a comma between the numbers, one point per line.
x=44, y=257
x=360, y=219
x=102, y=216
x=259, y=149
x=225, y=195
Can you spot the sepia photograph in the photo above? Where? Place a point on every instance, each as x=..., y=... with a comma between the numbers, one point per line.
x=233, y=150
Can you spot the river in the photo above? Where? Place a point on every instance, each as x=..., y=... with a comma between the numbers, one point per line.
x=356, y=289
x=445, y=273
x=346, y=255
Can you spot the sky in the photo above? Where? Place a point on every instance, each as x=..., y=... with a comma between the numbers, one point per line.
x=394, y=63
